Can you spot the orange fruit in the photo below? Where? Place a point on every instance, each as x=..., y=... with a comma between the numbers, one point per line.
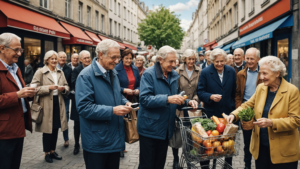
x=215, y=133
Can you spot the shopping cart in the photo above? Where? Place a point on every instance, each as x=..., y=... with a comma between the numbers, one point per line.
x=196, y=148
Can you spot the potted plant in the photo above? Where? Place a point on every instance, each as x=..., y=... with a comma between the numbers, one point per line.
x=247, y=117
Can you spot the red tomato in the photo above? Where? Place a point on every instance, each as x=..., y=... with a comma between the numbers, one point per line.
x=220, y=127
x=208, y=132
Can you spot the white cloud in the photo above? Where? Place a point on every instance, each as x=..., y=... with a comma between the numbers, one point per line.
x=185, y=24
x=179, y=7
x=155, y=7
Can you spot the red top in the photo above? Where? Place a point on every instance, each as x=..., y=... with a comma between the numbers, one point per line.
x=131, y=80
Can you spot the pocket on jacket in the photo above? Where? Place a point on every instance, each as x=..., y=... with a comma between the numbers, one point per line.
x=4, y=116
x=101, y=135
x=288, y=145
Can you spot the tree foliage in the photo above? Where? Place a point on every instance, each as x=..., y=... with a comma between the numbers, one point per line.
x=160, y=28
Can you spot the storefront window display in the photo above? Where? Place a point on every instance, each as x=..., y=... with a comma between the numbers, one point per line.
x=32, y=52
x=283, y=52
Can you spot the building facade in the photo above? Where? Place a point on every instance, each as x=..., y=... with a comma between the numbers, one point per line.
x=202, y=24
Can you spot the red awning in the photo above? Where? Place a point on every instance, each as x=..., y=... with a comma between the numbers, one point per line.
x=78, y=36
x=94, y=37
x=102, y=37
x=122, y=46
x=130, y=47
x=21, y=18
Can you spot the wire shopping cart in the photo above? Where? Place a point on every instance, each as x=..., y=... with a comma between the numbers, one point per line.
x=196, y=148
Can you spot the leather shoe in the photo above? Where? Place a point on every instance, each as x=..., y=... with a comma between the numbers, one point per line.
x=76, y=150
x=175, y=165
x=55, y=156
x=66, y=144
x=48, y=158
x=122, y=154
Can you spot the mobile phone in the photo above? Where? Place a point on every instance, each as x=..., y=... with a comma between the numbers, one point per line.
x=135, y=105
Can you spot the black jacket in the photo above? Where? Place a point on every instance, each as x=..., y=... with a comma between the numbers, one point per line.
x=75, y=73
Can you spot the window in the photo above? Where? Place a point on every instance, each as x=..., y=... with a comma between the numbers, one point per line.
x=128, y=16
x=115, y=6
x=102, y=23
x=115, y=28
x=119, y=32
x=252, y=5
x=236, y=14
x=103, y=2
x=80, y=12
x=44, y=3
x=125, y=13
x=230, y=19
x=124, y=32
x=88, y=16
x=128, y=34
x=110, y=26
x=97, y=20
x=68, y=8
x=131, y=36
x=119, y=9
x=32, y=51
x=243, y=8
x=110, y=4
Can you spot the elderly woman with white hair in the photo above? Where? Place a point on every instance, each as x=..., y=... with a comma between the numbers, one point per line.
x=52, y=85
x=216, y=87
x=189, y=76
x=159, y=100
x=140, y=62
x=275, y=137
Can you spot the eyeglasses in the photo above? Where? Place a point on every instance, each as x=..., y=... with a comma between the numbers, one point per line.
x=16, y=50
x=115, y=58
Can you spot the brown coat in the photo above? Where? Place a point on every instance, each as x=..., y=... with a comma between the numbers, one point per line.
x=46, y=98
x=189, y=85
x=240, y=86
x=11, y=111
x=284, y=112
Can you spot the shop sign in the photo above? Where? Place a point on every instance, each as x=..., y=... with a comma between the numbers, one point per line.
x=229, y=38
x=84, y=41
x=281, y=7
x=43, y=30
x=255, y=40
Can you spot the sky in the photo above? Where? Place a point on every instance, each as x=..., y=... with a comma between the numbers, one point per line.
x=184, y=8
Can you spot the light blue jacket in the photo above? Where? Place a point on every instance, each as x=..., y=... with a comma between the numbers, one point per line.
x=101, y=130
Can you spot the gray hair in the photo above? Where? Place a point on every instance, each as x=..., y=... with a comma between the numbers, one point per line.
x=188, y=53
x=104, y=45
x=48, y=55
x=26, y=60
x=164, y=51
x=207, y=52
x=140, y=56
x=153, y=59
x=82, y=52
x=243, y=53
x=275, y=64
x=229, y=55
x=6, y=38
x=75, y=54
x=257, y=52
x=216, y=52
x=62, y=52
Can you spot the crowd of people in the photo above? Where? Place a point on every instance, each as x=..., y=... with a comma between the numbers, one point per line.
x=101, y=92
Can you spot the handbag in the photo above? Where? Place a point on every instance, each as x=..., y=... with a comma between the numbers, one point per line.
x=176, y=141
x=131, y=134
x=37, y=109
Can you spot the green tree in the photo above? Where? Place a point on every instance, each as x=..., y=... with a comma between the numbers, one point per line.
x=160, y=28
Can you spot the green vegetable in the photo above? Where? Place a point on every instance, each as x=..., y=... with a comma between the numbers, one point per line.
x=207, y=124
x=194, y=152
x=246, y=114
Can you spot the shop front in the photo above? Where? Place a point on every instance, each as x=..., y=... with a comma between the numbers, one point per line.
x=228, y=40
x=96, y=40
x=79, y=41
x=210, y=45
x=39, y=33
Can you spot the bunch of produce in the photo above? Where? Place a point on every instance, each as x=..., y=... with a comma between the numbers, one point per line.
x=208, y=139
x=246, y=114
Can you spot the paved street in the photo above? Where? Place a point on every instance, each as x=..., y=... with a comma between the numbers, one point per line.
x=33, y=156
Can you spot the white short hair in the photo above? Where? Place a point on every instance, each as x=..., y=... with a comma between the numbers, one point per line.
x=26, y=61
x=207, y=52
x=62, y=52
x=75, y=54
x=188, y=53
x=164, y=51
x=104, y=45
x=48, y=55
x=275, y=64
x=257, y=52
x=84, y=51
x=216, y=52
x=229, y=55
x=153, y=59
x=243, y=53
x=142, y=57
x=6, y=38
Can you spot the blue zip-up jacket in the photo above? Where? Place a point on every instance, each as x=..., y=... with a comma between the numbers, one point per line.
x=156, y=118
x=101, y=130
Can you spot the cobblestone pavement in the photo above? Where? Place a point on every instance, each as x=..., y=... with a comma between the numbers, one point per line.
x=33, y=156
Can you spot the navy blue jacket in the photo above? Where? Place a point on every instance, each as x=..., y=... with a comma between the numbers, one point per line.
x=204, y=65
x=156, y=117
x=101, y=130
x=123, y=76
x=209, y=83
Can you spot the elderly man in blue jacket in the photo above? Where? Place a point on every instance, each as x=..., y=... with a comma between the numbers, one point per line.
x=101, y=108
x=159, y=100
